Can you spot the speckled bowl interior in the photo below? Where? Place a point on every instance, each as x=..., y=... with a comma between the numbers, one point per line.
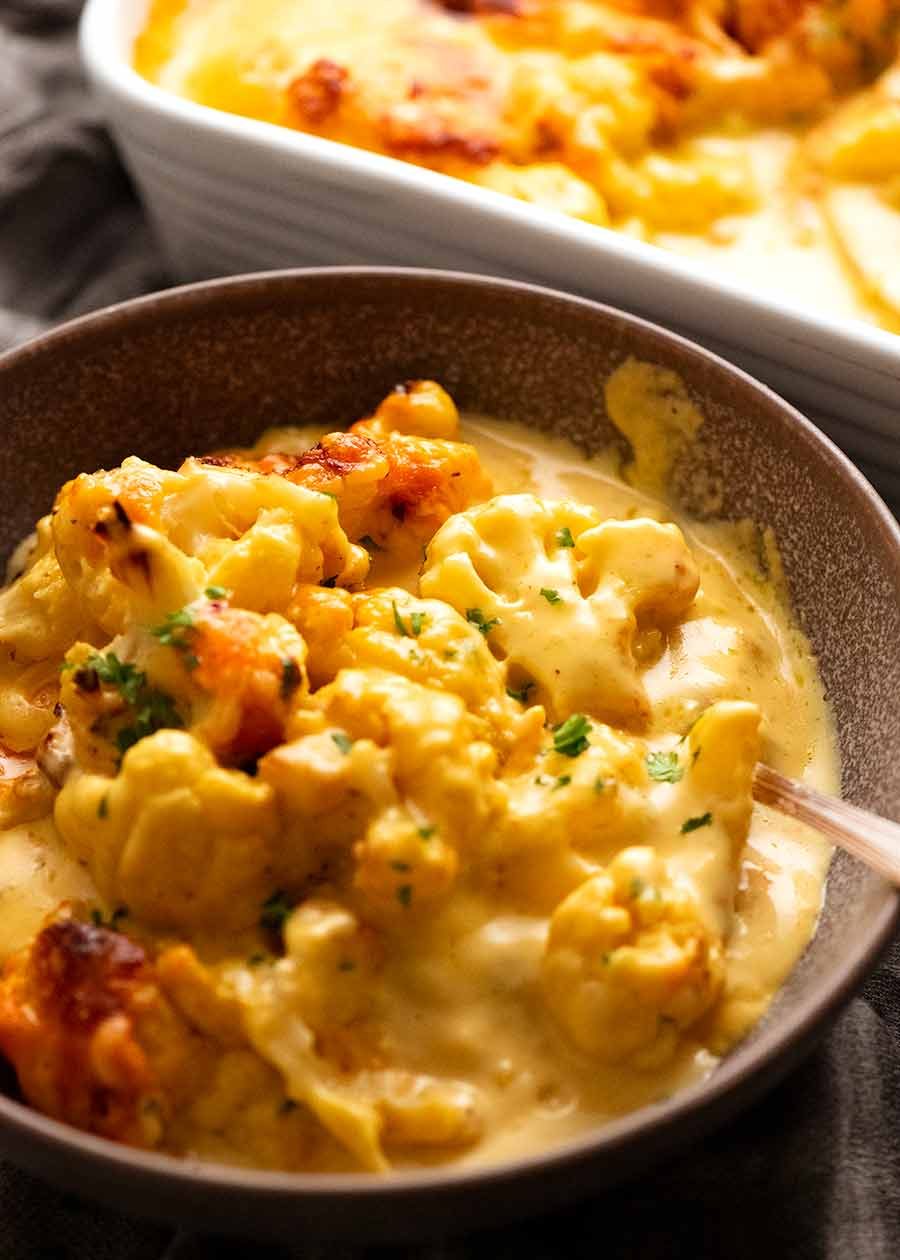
x=214, y=364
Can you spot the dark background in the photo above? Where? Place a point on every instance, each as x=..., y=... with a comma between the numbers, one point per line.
x=814, y=1171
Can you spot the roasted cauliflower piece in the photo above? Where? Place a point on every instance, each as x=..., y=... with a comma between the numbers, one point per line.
x=426, y=641
x=137, y=542
x=629, y=965
x=396, y=475
x=561, y=597
x=180, y=841
x=91, y=1036
x=581, y=801
x=419, y=408
x=393, y=766
x=232, y=676
x=40, y=614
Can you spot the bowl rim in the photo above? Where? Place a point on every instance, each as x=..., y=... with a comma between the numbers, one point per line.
x=790, y=1032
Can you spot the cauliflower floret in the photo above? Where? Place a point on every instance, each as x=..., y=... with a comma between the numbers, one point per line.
x=393, y=762
x=25, y=791
x=421, y=408
x=568, y=812
x=426, y=641
x=562, y=597
x=27, y=700
x=39, y=614
x=180, y=841
x=232, y=676
x=399, y=861
x=136, y=542
x=629, y=965
x=396, y=475
x=93, y=1039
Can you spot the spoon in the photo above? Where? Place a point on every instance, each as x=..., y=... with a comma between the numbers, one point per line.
x=872, y=839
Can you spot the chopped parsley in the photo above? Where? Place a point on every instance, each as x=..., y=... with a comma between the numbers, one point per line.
x=175, y=633
x=290, y=677
x=152, y=710
x=484, y=624
x=425, y=833
x=171, y=632
x=692, y=824
x=398, y=621
x=449, y=654
x=522, y=694
x=551, y=596
x=344, y=742
x=404, y=894
x=216, y=592
x=564, y=537
x=416, y=622
x=599, y=785
x=103, y=807
x=276, y=910
x=664, y=767
x=635, y=889
x=563, y=781
x=571, y=737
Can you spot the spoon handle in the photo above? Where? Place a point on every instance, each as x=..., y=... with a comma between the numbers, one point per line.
x=874, y=840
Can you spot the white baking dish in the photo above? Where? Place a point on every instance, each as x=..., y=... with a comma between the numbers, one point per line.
x=228, y=194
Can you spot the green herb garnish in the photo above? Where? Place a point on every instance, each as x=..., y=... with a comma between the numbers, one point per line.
x=664, y=767
x=103, y=807
x=484, y=624
x=290, y=677
x=599, y=785
x=404, y=894
x=216, y=592
x=416, y=622
x=398, y=621
x=692, y=824
x=425, y=833
x=564, y=537
x=551, y=596
x=563, y=781
x=522, y=694
x=635, y=889
x=571, y=737
x=344, y=742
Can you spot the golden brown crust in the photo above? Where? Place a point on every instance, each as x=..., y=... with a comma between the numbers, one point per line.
x=68, y=1005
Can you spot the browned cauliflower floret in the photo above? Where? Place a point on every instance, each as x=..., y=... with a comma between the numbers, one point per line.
x=93, y=1038
x=232, y=676
x=175, y=837
x=629, y=965
x=136, y=542
x=421, y=408
x=562, y=597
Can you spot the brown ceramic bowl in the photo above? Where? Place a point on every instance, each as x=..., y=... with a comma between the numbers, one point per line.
x=213, y=364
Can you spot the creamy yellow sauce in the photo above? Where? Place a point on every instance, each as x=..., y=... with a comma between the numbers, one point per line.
x=462, y=999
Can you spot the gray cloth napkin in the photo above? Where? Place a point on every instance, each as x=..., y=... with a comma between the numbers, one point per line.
x=814, y=1171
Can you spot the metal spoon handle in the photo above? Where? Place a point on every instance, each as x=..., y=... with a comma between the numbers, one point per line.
x=874, y=840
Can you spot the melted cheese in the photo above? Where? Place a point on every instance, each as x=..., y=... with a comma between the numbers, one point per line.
x=756, y=138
